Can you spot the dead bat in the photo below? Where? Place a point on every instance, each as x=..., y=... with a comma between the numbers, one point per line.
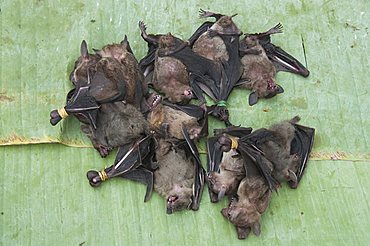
x=281, y=59
x=258, y=71
x=287, y=147
x=173, y=67
x=134, y=161
x=218, y=41
x=246, y=145
x=117, y=124
x=167, y=119
x=206, y=40
x=252, y=199
x=106, y=80
x=180, y=176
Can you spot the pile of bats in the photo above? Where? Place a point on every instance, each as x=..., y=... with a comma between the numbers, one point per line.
x=143, y=109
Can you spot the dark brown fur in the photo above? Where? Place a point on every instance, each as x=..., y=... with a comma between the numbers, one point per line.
x=117, y=124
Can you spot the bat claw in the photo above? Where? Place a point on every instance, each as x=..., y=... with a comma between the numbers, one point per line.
x=142, y=26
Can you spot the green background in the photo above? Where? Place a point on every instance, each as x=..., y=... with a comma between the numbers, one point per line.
x=45, y=196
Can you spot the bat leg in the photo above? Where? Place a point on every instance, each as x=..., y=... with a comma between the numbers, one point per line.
x=301, y=146
x=219, y=112
x=144, y=176
x=205, y=14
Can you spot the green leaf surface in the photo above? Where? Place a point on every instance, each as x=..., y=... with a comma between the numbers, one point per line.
x=45, y=196
x=46, y=200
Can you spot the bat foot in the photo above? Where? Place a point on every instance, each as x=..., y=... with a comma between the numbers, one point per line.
x=205, y=14
x=103, y=150
x=142, y=26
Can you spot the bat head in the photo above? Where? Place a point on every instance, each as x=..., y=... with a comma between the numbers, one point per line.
x=79, y=76
x=272, y=89
x=225, y=25
x=249, y=41
x=117, y=51
x=243, y=215
x=179, y=198
x=266, y=89
x=167, y=41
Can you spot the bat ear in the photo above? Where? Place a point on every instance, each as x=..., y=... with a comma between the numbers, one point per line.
x=243, y=232
x=256, y=228
x=126, y=44
x=292, y=176
x=83, y=49
x=221, y=194
x=279, y=89
x=253, y=98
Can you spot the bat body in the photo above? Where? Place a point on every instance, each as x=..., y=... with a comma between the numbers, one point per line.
x=258, y=71
x=171, y=78
x=171, y=66
x=180, y=176
x=207, y=41
x=218, y=41
x=168, y=119
x=226, y=181
x=288, y=148
x=174, y=179
x=253, y=197
x=261, y=60
x=117, y=124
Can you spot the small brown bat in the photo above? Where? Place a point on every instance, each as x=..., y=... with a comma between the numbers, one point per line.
x=226, y=182
x=258, y=71
x=167, y=119
x=288, y=147
x=179, y=177
x=117, y=124
x=253, y=197
x=98, y=80
x=172, y=67
x=219, y=42
x=207, y=41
